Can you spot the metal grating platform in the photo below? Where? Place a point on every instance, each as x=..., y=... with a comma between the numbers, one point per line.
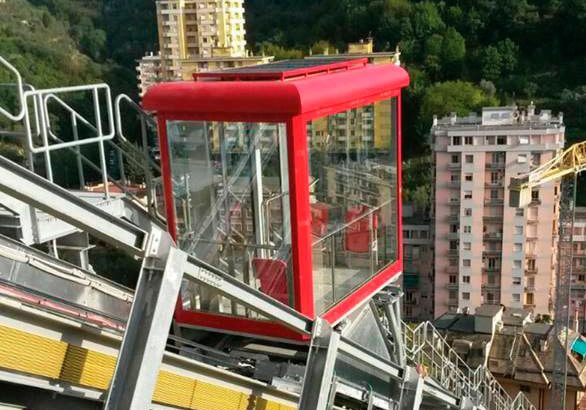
x=283, y=70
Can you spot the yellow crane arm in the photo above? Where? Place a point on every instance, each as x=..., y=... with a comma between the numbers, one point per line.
x=571, y=161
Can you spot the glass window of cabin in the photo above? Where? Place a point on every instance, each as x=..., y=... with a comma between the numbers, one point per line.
x=231, y=193
x=353, y=194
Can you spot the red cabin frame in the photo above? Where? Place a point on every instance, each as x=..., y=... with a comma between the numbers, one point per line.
x=293, y=97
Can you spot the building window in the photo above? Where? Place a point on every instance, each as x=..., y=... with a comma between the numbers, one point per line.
x=468, y=212
x=495, y=177
x=466, y=263
x=516, y=298
x=517, y=281
x=535, y=195
x=468, y=195
x=453, y=295
x=467, y=229
x=517, y=264
x=492, y=263
x=466, y=295
x=518, y=230
x=455, y=159
x=467, y=246
x=456, y=141
x=494, y=194
x=530, y=300
x=453, y=279
x=468, y=141
x=453, y=262
x=518, y=247
x=525, y=389
x=519, y=212
x=466, y=279
x=469, y=159
x=454, y=228
x=522, y=158
x=454, y=245
x=501, y=140
x=468, y=177
x=454, y=177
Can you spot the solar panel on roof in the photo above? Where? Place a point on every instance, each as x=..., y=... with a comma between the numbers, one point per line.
x=284, y=69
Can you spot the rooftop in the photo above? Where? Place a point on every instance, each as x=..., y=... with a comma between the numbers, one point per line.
x=284, y=70
x=507, y=116
x=517, y=349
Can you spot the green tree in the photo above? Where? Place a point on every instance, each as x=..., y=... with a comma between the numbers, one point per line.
x=491, y=63
x=453, y=96
x=453, y=47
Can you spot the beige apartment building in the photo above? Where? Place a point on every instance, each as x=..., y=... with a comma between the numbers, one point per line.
x=487, y=252
x=199, y=35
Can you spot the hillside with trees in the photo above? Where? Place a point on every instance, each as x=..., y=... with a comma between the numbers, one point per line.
x=461, y=54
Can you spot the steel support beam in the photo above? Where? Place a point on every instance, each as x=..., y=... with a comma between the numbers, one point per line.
x=148, y=327
x=318, y=388
x=234, y=289
x=467, y=404
x=412, y=392
x=28, y=187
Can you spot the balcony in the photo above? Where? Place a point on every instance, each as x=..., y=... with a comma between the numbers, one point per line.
x=492, y=252
x=491, y=286
x=532, y=221
x=493, y=218
x=453, y=218
x=494, y=184
x=454, y=166
x=494, y=201
x=452, y=286
x=454, y=201
x=496, y=269
x=454, y=235
x=453, y=252
x=529, y=306
x=493, y=236
x=531, y=271
x=454, y=184
x=495, y=165
x=529, y=288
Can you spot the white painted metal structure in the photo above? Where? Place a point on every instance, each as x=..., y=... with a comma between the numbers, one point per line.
x=405, y=367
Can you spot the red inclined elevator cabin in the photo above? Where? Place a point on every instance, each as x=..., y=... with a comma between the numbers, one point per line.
x=286, y=176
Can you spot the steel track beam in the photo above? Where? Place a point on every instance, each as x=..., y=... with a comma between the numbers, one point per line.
x=145, y=338
x=28, y=187
x=318, y=387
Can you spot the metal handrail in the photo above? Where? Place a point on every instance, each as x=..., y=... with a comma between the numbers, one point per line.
x=426, y=346
x=20, y=90
x=73, y=146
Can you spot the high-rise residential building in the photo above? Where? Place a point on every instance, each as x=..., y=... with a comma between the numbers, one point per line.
x=149, y=71
x=487, y=252
x=417, y=264
x=578, y=286
x=200, y=35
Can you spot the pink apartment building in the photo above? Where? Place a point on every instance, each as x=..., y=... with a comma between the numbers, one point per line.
x=485, y=251
x=578, y=286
